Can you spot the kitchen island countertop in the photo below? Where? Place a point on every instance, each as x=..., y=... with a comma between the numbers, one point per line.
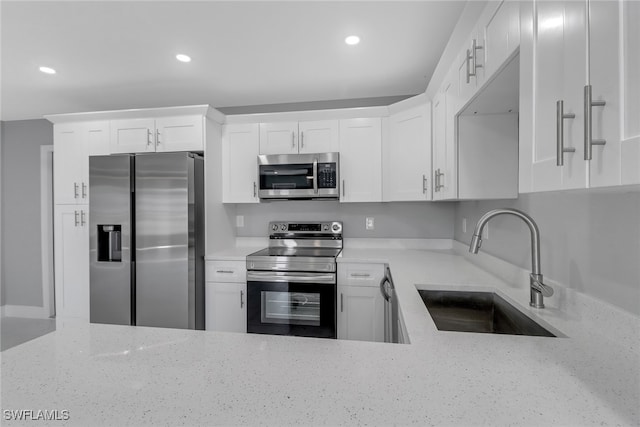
x=123, y=375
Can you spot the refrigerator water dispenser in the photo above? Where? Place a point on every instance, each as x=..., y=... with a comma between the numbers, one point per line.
x=110, y=243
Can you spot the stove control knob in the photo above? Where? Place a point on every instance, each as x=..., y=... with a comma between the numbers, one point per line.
x=283, y=227
x=325, y=227
x=335, y=227
x=274, y=227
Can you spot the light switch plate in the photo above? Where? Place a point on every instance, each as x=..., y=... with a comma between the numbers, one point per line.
x=464, y=225
x=239, y=221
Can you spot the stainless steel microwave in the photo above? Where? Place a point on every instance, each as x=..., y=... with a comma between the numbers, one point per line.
x=299, y=176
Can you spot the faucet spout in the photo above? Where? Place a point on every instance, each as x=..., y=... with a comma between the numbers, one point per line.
x=538, y=288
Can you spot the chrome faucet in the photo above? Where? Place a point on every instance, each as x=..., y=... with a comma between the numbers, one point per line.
x=538, y=288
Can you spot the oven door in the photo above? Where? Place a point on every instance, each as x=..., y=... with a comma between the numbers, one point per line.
x=284, y=303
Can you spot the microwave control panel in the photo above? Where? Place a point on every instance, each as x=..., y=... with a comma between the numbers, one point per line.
x=327, y=175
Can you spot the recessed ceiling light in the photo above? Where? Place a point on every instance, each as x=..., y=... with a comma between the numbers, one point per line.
x=352, y=40
x=47, y=70
x=183, y=58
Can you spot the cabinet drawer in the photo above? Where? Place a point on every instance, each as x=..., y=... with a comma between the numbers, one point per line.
x=226, y=271
x=357, y=274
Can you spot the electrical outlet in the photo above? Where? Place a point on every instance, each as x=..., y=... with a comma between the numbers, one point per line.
x=485, y=232
x=369, y=223
x=464, y=225
x=239, y=221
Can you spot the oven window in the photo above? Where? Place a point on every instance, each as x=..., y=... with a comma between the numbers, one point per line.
x=286, y=177
x=292, y=308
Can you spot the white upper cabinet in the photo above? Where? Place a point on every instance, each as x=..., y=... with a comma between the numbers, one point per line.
x=630, y=144
x=180, y=133
x=501, y=35
x=581, y=51
x=407, y=155
x=320, y=136
x=71, y=164
x=240, y=145
x=299, y=137
x=97, y=137
x=361, y=160
x=279, y=138
x=445, y=154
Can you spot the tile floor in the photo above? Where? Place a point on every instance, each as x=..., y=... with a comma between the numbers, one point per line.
x=17, y=330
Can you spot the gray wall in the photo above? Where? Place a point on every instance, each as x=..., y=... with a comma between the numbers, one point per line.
x=399, y=220
x=590, y=239
x=21, y=256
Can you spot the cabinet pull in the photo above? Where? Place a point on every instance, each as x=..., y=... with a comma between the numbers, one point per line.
x=241, y=299
x=302, y=139
x=360, y=275
x=157, y=137
x=588, y=141
x=75, y=190
x=472, y=60
x=149, y=137
x=341, y=302
x=225, y=271
x=560, y=116
x=76, y=218
x=343, y=193
x=255, y=189
x=438, y=180
x=83, y=221
x=293, y=139
x=84, y=190
x=424, y=184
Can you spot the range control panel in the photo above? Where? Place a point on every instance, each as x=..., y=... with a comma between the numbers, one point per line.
x=330, y=228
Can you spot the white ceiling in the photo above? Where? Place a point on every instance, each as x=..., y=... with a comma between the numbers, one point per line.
x=121, y=54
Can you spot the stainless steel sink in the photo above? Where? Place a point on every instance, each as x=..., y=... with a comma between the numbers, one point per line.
x=484, y=312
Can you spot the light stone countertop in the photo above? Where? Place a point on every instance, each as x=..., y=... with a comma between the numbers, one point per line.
x=120, y=375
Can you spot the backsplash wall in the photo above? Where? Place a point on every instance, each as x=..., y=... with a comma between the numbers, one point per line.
x=590, y=240
x=392, y=220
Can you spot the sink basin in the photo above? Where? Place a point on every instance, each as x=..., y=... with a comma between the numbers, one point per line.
x=484, y=312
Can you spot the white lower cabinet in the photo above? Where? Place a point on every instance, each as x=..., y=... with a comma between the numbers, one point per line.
x=226, y=307
x=72, y=261
x=226, y=296
x=360, y=303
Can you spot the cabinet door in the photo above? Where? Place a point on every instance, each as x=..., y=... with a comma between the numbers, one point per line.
x=502, y=35
x=360, y=313
x=72, y=261
x=97, y=138
x=133, y=136
x=181, y=133
x=560, y=72
x=279, y=138
x=361, y=160
x=446, y=151
x=240, y=144
x=318, y=136
x=605, y=64
x=225, y=307
x=407, y=165
x=630, y=146
x=71, y=164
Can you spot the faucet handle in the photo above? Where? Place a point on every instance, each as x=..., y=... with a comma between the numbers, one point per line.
x=538, y=285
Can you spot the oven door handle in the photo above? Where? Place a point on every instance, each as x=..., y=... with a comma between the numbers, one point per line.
x=277, y=276
x=315, y=176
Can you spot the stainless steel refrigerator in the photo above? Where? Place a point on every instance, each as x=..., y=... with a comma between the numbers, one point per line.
x=146, y=214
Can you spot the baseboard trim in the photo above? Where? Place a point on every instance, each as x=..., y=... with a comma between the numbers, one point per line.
x=26, y=311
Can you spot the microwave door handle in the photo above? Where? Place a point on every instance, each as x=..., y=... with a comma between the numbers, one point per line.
x=315, y=176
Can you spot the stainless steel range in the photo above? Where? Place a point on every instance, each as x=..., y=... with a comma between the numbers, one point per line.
x=291, y=285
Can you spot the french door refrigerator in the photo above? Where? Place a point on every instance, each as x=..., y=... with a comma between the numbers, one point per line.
x=146, y=215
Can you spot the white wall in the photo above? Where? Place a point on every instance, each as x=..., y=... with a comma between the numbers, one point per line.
x=590, y=240
x=400, y=220
x=21, y=247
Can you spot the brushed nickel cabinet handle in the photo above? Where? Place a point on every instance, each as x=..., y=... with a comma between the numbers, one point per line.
x=157, y=137
x=343, y=192
x=75, y=190
x=589, y=142
x=225, y=271
x=83, y=221
x=241, y=299
x=468, y=61
x=560, y=116
x=76, y=218
x=360, y=275
x=149, y=137
x=341, y=302
x=424, y=184
x=293, y=139
x=84, y=190
x=302, y=139
x=255, y=189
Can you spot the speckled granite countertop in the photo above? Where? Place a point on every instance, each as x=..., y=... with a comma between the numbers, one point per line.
x=119, y=375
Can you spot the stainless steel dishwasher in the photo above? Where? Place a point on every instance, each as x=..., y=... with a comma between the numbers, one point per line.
x=391, y=311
